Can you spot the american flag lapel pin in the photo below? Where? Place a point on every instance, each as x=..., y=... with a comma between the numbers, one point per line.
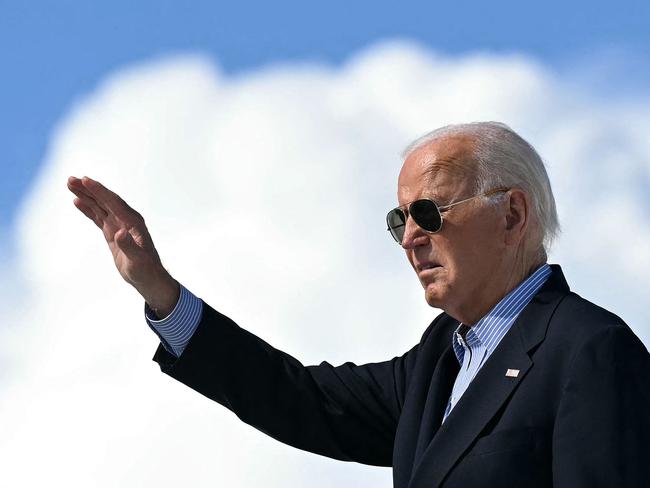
x=512, y=373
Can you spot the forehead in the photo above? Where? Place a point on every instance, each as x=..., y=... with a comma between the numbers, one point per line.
x=439, y=169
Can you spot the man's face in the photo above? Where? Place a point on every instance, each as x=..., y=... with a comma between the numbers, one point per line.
x=467, y=251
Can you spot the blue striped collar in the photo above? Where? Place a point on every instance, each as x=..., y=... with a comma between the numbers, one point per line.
x=489, y=331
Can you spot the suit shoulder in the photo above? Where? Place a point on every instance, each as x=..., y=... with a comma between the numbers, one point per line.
x=577, y=316
x=579, y=328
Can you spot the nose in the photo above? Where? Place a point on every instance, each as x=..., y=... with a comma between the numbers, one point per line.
x=414, y=236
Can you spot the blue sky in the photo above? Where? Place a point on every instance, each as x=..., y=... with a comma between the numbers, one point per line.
x=52, y=53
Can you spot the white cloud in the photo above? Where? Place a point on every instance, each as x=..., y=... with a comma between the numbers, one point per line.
x=266, y=195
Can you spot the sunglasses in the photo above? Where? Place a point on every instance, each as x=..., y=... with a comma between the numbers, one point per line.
x=425, y=213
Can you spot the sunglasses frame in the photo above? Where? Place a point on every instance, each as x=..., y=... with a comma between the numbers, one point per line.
x=440, y=209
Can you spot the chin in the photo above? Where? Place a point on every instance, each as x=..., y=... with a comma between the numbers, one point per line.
x=434, y=297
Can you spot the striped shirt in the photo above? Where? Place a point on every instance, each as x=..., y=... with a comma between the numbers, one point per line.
x=474, y=345
x=175, y=330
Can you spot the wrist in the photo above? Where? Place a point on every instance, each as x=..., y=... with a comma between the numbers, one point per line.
x=162, y=296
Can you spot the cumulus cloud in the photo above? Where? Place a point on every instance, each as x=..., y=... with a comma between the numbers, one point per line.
x=266, y=195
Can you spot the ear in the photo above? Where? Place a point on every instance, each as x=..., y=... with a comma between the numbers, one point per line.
x=517, y=215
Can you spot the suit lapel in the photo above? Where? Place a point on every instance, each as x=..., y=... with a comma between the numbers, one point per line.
x=489, y=390
x=476, y=407
x=442, y=382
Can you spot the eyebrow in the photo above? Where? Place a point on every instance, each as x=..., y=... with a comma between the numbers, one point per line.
x=426, y=197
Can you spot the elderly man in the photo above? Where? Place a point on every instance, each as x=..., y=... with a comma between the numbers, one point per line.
x=519, y=382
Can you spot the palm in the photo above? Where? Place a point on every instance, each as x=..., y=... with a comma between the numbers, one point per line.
x=137, y=255
x=124, y=263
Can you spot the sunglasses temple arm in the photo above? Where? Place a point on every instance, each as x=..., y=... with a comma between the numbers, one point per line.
x=486, y=194
x=445, y=207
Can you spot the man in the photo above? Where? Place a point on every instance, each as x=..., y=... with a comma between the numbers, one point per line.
x=520, y=382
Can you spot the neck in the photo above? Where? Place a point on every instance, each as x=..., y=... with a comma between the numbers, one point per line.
x=502, y=283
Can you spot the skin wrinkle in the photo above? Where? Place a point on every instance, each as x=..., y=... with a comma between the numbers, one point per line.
x=483, y=249
x=454, y=157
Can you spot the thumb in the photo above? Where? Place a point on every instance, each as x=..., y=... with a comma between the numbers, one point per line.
x=125, y=242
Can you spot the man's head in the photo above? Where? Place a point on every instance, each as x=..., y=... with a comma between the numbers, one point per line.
x=488, y=244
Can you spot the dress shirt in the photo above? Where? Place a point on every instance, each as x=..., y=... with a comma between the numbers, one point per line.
x=176, y=330
x=473, y=345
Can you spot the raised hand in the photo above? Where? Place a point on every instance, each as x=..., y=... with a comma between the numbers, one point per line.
x=130, y=243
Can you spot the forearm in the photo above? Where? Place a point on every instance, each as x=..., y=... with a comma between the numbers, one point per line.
x=322, y=409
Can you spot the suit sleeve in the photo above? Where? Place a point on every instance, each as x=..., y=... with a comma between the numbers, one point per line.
x=347, y=412
x=603, y=425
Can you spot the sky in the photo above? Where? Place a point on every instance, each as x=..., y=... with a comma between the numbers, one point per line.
x=261, y=142
x=55, y=52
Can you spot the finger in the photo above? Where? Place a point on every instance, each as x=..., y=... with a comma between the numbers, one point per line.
x=91, y=203
x=76, y=187
x=125, y=242
x=87, y=211
x=111, y=201
x=73, y=180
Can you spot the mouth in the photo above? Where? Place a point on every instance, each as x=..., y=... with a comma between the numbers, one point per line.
x=425, y=266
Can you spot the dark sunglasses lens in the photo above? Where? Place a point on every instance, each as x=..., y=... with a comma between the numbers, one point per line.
x=426, y=215
x=396, y=224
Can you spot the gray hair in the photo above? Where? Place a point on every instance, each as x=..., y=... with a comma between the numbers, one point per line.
x=504, y=159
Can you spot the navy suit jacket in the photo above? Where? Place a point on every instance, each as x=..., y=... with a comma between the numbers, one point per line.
x=576, y=414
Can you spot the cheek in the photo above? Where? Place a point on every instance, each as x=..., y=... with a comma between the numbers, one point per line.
x=462, y=261
x=449, y=250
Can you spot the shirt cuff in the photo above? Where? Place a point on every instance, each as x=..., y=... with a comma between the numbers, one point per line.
x=176, y=330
